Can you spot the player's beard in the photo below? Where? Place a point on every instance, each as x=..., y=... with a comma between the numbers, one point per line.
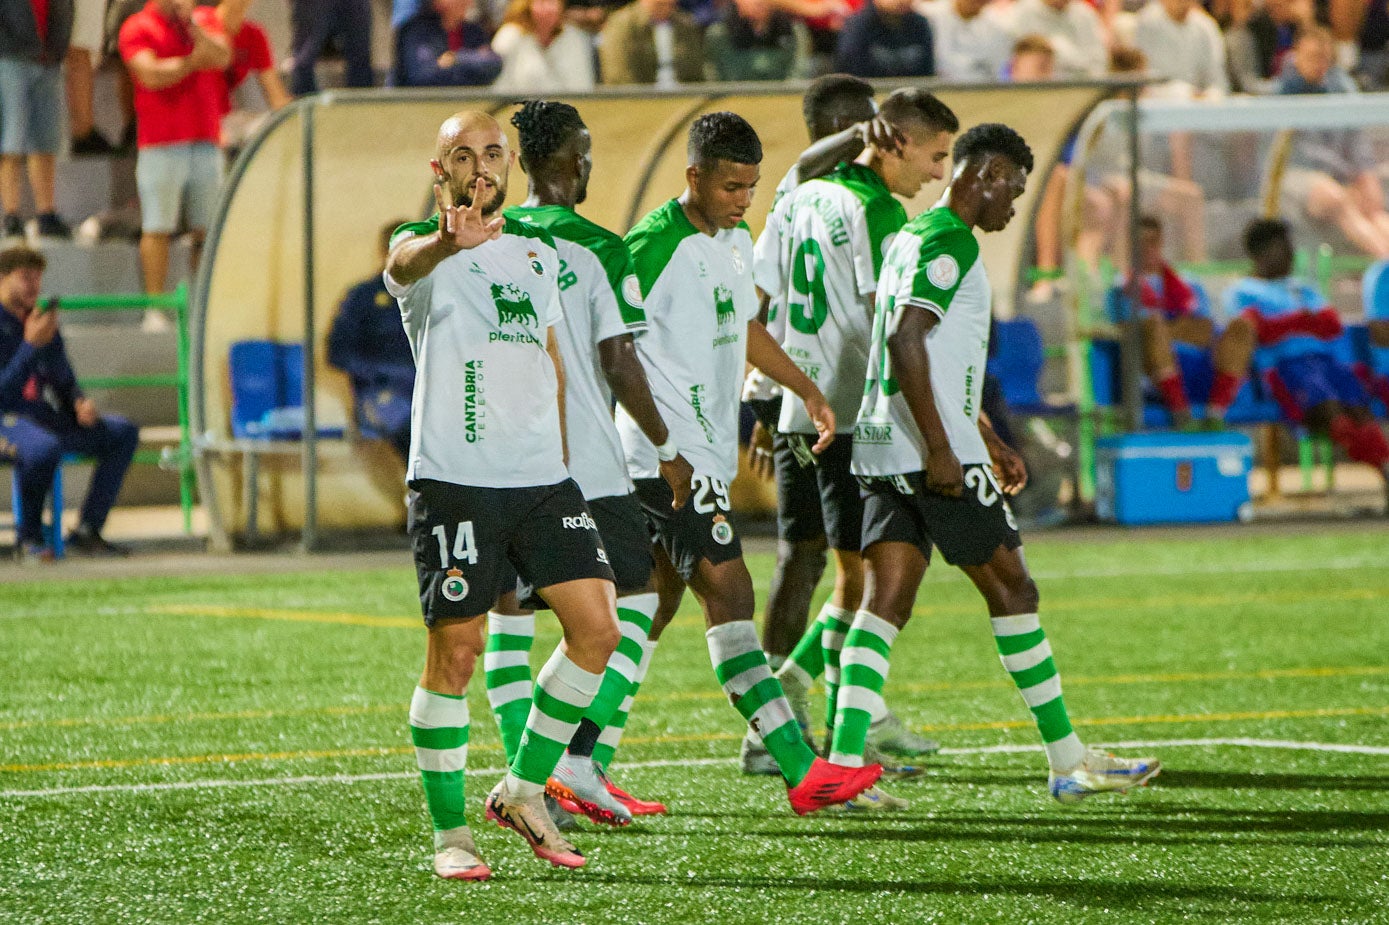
x=465, y=197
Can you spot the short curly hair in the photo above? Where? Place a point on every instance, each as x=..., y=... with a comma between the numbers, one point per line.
x=828, y=95
x=993, y=138
x=544, y=126
x=1262, y=232
x=724, y=136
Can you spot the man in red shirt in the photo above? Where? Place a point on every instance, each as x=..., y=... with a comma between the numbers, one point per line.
x=177, y=66
x=251, y=55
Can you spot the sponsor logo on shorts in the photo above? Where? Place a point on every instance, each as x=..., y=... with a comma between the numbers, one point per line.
x=455, y=586
x=579, y=522
x=722, y=531
x=603, y=556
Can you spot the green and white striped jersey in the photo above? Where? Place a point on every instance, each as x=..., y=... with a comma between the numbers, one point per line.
x=833, y=245
x=601, y=299
x=485, y=411
x=699, y=298
x=933, y=264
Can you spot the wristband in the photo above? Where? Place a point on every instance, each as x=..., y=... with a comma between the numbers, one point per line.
x=668, y=450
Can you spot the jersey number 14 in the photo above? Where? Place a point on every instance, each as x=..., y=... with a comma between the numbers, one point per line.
x=464, y=544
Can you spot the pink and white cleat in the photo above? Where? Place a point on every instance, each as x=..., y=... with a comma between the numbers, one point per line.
x=530, y=820
x=458, y=859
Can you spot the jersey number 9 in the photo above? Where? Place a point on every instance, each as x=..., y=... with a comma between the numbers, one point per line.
x=808, y=305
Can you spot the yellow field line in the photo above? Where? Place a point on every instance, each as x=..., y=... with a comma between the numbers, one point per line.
x=292, y=616
x=1161, y=719
x=1266, y=674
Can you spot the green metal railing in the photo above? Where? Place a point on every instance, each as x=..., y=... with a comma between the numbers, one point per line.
x=177, y=303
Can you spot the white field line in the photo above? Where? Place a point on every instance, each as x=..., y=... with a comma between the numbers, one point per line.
x=216, y=783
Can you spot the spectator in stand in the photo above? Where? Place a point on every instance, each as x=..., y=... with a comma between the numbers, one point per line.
x=651, y=42
x=1257, y=47
x=971, y=42
x=368, y=343
x=177, y=67
x=1294, y=328
x=250, y=51
x=33, y=42
x=1331, y=172
x=1373, y=42
x=1074, y=30
x=46, y=415
x=755, y=41
x=1183, y=43
x=441, y=47
x=886, y=38
x=541, y=54
x=1032, y=59
x=315, y=23
x=88, y=32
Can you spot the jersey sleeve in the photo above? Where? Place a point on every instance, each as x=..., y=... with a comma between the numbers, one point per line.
x=547, y=308
x=767, y=269
x=874, y=228
x=618, y=306
x=402, y=291
x=133, y=38
x=941, y=265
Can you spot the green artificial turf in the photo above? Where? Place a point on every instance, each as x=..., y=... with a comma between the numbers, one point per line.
x=281, y=702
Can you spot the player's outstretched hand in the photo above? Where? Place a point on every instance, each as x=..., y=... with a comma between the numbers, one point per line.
x=944, y=474
x=822, y=416
x=880, y=133
x=678, y=474
x=463, y=227
x=1008, y=467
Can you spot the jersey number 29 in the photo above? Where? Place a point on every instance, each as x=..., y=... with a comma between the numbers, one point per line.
x=464, y=544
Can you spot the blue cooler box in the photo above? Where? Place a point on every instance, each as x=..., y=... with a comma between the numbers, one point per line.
x=1167, y=477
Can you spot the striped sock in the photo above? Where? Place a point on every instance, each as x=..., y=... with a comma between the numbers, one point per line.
x=1027, y=656
x=634, y=615
x=742, y=670
x=507, y=663
x=439, y=729
x=807, y=660
x=863, y=665
x=563, y=691
x=835, y=624
x=611, y=736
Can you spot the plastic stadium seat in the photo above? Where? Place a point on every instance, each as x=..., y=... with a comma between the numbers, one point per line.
x=267, y=385
x=1017, y=361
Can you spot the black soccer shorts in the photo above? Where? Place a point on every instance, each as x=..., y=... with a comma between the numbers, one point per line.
x=818, y=495
x=967, y=530
x=699, y=530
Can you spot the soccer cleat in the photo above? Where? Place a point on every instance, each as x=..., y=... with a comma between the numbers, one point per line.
x=891, y=735
x=560, y=814
x=576, y=781
x=799, y=699
x=755, y=759
x=635, y=806
x=1101, y=772
x=529, y=819
x=893, y=767
x=460, y=861
x=876, y=800
x=827, y=784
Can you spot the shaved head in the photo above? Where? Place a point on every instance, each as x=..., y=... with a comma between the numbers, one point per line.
x=472, y=147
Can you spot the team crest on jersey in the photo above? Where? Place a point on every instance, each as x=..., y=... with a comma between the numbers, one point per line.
x=943, y=272
x=737, y=257
x=631, y=290
x=455, y=586
x=722, y=531
x=537, y=267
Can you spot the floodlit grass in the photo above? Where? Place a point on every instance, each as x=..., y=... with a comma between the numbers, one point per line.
x=257, y=692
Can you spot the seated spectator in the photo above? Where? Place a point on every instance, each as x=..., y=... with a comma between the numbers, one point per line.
x=1174, y=309
x=1332, y=172
x=1258, y=46
x=1294, y=327
x=177, y=67
x=250, y=52
x=1032, y=59
x=34, y=38
x=368, y=342
x=1375, y=374
x=651, y=42
x=887, y=38
x=754, y=41
x=440, y=47
x=1074, y=30
x=1183, y=43
x=970, y=42
x=315, y=23
x=46, y=415
x=541, y=54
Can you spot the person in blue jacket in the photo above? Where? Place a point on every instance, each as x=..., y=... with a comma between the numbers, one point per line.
x=43, y=414
x=440, y=46
x=368, y=342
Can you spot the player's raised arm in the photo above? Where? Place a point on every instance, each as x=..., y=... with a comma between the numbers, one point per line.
x=911, y=366
x=766, y=354
x=461, y=227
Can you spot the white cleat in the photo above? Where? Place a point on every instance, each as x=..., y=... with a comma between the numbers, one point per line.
x=529, y=819
x=755, y=759
x=891, y=735
x=1101, y=772
x=893, y=767
x=459, y=861
x=576, y=779
x=876, y=800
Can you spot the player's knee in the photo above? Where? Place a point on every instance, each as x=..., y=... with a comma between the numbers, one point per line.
x=451, y=668
x=40, y=451
x=124, y=434
x=602, y=638
x=1024, y=596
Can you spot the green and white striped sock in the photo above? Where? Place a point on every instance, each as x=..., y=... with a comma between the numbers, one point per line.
x=1027, y=655
x=807, y=660
x=563, y=691
x=507, y=664
x=439, y=730
x=611, y=736
x=834, y=626
x=863, y=666
x=742, y=670
x=634, y=615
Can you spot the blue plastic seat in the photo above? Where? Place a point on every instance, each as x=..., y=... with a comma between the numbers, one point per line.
x=267, y=386
x=1017, y=361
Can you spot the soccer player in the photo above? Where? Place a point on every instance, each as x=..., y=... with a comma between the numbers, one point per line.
x=479, y=294
x=602, y=306
x=833, y=241
x=1295, y=327
x=693, y=258
x=841, y=119
x=927, y=464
